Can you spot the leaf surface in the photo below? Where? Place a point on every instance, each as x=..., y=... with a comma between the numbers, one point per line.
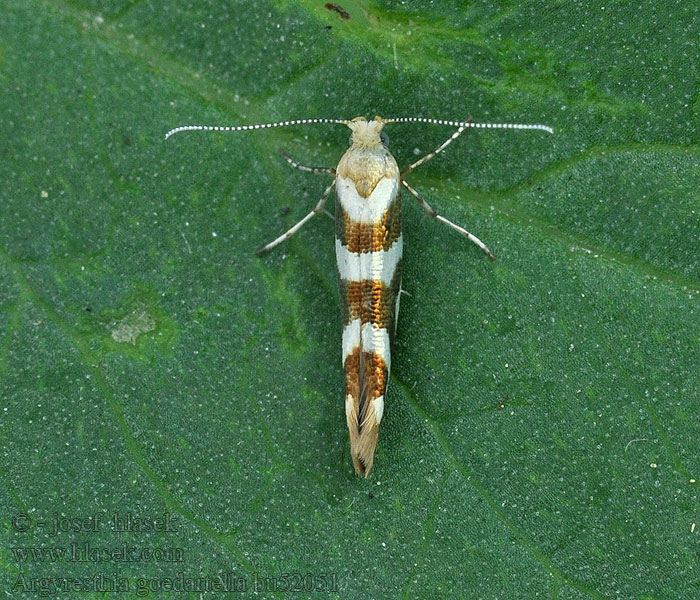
x=540, y=437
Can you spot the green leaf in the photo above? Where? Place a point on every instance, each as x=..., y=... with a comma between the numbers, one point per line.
x=540, y=437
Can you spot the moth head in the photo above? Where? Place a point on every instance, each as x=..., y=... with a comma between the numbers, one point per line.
x=367, y=134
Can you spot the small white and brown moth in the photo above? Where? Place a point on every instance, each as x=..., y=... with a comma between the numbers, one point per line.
x=369, y=249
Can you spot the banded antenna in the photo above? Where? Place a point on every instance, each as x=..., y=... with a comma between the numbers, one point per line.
x=466, y=124
x=460, y=124
x=245, y=127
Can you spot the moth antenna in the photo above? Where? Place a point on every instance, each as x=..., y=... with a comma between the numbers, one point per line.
x=246, y=127
x=465, y=124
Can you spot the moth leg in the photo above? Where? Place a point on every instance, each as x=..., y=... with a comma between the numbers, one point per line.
x=296, y=165
x=432, y=213
x=317, y=170
x=317, y=209
x=437, y=150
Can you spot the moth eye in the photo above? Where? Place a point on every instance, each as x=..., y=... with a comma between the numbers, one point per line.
x=384, y=137
x=350, y=140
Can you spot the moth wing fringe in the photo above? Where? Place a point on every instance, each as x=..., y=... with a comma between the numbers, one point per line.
x=364, y=434
x=362, y=421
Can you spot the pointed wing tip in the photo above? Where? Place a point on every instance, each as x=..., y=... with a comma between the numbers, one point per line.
x=361, y=469
x=363, y=447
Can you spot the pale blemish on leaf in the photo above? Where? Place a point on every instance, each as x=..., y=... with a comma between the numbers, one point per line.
x=132, y=326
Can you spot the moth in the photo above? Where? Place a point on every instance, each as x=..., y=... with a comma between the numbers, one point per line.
x=369, y=250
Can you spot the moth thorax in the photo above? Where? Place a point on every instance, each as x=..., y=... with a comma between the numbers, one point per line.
x=366, y=134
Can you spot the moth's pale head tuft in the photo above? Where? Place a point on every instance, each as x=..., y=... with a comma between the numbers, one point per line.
x=366, y=134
